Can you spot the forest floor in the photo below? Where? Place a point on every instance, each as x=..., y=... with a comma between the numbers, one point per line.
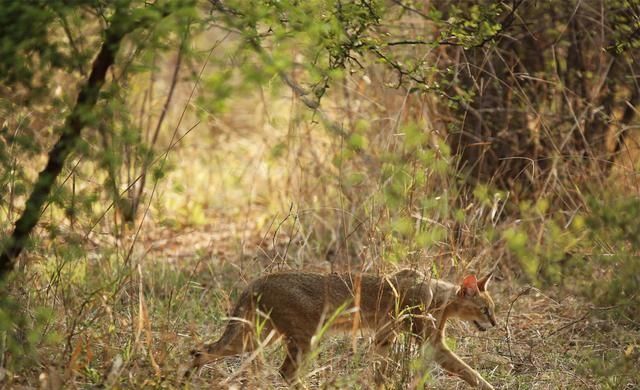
x=545, y=339
x=182, y=283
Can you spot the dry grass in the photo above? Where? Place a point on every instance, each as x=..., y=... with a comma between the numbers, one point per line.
x=263, y=187
x=126, y=312
x=179, y=293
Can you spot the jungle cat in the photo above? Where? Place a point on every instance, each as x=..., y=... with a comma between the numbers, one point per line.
x=297, y=304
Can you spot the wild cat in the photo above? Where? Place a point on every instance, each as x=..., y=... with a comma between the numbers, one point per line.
x=297, y=304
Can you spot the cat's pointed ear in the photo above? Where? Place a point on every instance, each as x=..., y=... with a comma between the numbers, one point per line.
x=469, y=286
x=483, y=283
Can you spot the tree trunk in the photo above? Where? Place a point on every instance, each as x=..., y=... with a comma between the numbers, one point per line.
x=74, y=123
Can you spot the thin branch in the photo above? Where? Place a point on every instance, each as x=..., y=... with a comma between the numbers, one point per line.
x=71, y=130
x=524, y=291
x=145, y=167
x=506, y=22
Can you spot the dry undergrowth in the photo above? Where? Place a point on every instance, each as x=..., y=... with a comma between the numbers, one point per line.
x=124, y=313
x=543, y=341
x=186, y=280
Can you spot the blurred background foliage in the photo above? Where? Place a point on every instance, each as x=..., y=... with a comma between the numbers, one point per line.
x=327, y=135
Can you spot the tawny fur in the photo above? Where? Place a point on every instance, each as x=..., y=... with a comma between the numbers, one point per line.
x=297, y=304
